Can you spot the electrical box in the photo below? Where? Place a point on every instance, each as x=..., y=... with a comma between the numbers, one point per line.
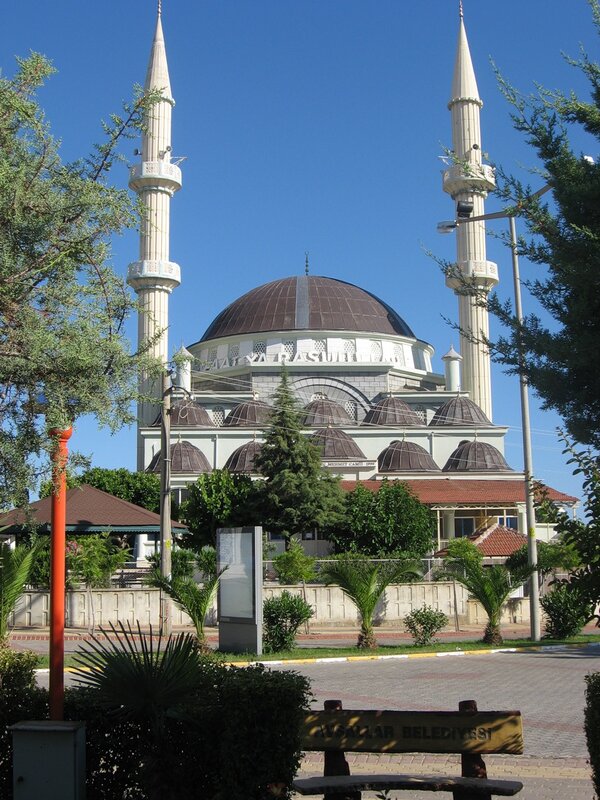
x=48, y=760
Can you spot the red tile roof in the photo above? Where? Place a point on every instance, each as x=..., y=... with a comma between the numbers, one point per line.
x=500, y=541
x=89, y=509
x=465, y=491
x=497, y=542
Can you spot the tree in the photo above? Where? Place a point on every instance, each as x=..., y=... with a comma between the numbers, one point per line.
x=15, y=566
x=584, y=537
x=491, y=586
x=389, y=521
x=364, y=582
x=218, y=499
x=141, y=488
x=63, y=348
x=299, y=495
x=92, y=560
x=565, y=237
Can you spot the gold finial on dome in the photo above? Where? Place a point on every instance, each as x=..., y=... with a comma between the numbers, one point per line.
x=159, y=8
x=460, y=9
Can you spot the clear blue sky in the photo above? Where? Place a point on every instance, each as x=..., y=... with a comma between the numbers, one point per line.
x=313, y=125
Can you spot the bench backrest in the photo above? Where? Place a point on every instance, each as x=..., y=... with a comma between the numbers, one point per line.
x=414, y=731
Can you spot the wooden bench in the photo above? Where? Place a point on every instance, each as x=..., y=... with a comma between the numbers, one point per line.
x=469, y=732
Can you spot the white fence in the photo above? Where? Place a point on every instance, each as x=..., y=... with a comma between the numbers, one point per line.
x=330, y=605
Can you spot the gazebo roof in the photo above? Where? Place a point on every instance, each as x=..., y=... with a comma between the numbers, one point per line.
x=89, y=510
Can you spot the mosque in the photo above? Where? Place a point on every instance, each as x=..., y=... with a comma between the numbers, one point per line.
x=363, y=379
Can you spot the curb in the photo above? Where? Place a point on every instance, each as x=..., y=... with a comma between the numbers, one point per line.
x=396, y=657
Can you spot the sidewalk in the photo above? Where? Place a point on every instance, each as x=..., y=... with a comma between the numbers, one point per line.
x=318, y=636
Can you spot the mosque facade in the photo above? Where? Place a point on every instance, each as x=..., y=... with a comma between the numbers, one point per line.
x=364, y=381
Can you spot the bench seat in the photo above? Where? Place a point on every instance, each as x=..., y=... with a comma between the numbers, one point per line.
x=421, y=783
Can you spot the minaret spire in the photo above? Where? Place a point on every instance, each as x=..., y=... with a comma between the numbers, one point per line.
x=155, y=179
x=468, y=180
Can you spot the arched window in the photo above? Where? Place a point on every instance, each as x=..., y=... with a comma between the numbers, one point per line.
x=218, y=416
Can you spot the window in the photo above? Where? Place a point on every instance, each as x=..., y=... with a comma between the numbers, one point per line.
x=351, y=409
x=234, y=351
x=399, y=354
x=509, y=522
x=464, y=526
x=212, y=354
x=320, y=346
x=350, y=349
x=421, y=413
x=259, y=348
x=289, y=349
x=376, y=351
x=218, y=415
x=319, y=396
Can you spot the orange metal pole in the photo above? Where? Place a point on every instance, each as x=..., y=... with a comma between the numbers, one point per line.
x=57, y=572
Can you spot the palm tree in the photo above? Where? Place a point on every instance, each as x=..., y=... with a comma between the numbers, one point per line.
x=364, y=581
x=15, y=566
x=193, y=598
x=491, y=586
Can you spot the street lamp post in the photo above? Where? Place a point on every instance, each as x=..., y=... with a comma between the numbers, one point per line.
x=57, y=571
x=532, y=559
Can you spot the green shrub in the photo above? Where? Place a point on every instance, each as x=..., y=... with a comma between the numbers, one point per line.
x=566, y=612
x=423, y=623
x=592, y=725
x=294, y=566
x=282, y=616
x=17, y=669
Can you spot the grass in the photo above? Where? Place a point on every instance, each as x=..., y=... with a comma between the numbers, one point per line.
x=302, y=653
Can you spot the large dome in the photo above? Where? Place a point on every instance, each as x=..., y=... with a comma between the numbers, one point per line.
x=307, y=302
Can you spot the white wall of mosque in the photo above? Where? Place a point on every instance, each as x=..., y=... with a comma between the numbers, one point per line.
x=219, y=354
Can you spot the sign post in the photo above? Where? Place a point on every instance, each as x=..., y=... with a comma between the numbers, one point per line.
x=240, y=565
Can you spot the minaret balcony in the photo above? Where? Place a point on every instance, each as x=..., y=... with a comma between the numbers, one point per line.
x=472, y=275
x=149, y=274
x=155, y=174
x=469, y=177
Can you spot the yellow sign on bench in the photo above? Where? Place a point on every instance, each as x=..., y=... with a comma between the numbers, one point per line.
x=414, y=731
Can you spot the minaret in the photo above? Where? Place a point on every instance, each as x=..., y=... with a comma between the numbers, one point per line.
x=155, y=180
x=469, y=181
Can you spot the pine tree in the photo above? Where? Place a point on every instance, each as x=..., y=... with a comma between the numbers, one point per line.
x=565, y=237
x=298, y=494
x=62, y=308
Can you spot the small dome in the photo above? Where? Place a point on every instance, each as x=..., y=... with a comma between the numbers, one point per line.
x=460, y=411
x=406, y=457
x=335, y=443
x=394, y=412
x=242, y=459
x=187, y=414
x=185, y=458
x=476, y=457
x=323, y=412
x=250, y=414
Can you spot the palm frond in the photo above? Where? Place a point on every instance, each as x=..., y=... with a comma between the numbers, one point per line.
x=15, y=566
x=140, y=676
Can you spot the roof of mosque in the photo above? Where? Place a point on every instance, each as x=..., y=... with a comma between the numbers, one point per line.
x=307, y=302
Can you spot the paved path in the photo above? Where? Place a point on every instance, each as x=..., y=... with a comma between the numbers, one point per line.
x=548, y=688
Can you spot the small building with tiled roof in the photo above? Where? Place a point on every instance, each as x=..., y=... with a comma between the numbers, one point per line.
x=90, y=510
x=495, y=544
